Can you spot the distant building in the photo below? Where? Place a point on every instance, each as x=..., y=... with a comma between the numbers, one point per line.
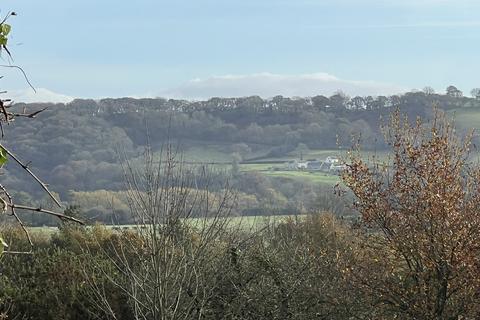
x=302, y=165
x=314, y=165
x=330, y=164
x=291, y=165
x=332, y=160
x=297, y=165
x=337, y=169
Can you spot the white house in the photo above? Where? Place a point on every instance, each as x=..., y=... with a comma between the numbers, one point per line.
x=297, y=165
x=332, y=160
x=302, y=165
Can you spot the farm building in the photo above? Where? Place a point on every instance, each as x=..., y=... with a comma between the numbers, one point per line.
x=330, y=164
x=332, y=160
x=337, y=168
x=297, y=165
x=314, y=165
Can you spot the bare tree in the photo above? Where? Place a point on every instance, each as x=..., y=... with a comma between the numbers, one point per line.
x=428, y=90
x=170, y=265
x=475, y=92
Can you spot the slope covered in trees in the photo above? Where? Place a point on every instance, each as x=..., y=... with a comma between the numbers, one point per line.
x=75, y=146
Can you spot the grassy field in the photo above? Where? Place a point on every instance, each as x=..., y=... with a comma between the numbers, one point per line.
x=466, y=118
x=259, y=166
x=245, y=223
x=272, y=168
x=207, y=153
x=315, y=177
x=220, y=156
x=307, y=154
x=276, y=170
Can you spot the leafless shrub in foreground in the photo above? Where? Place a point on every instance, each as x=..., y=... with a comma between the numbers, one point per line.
x=180, y=249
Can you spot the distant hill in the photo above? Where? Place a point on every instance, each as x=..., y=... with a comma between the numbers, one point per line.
x=74, y=146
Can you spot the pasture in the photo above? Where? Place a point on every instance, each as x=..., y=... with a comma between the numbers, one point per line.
x=244, y=223
x=466, y=118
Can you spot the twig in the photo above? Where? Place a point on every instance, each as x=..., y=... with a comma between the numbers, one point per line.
x=7, y=100
x=4, y=111
x=9, y=14
x=56, y=214
x=23, y=72
x=14, y=213
x=24, y=166
x=28, y=115
x=18, y=252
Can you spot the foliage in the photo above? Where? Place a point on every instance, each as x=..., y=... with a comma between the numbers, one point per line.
x=3, y=157
x=5, y=29
x=50, y=283
x=422, y=212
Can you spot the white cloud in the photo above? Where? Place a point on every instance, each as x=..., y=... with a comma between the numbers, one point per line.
x=265, y=85
x=269, y=85
x=42, y=95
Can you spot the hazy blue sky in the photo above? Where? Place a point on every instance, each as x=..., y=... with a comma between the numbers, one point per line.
x=198, y=48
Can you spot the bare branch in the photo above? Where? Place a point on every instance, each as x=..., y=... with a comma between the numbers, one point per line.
x=23, y=72
x=14, y=213
x=3, y=110
x=9, y=14
x=53, y=213
x=28, y=115
x=26, y=168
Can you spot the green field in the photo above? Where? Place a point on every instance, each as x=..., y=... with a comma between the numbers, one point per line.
x=276, y=170
x=306, y=154
x=259, y=166
x=245, y=223
x=316, y=177
x=275, y=167
x=207, y=153
x=220, y=156
x=466, y=118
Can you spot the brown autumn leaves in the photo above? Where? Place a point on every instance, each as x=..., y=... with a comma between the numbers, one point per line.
x=421, y=213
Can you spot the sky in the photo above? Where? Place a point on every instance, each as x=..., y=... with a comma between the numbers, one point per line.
x=197, y=49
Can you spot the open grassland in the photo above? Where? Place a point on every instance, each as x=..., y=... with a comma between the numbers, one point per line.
x=207, y=153
x=219, y=156
x=466, y=118
x=315, y=177
x=276, y=167
x=306, y=154
x=245, y=223
x=211, y=152
x=276, y=170
x=268, y=166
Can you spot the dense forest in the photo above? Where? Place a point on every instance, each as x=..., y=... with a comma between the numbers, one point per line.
x=78, y=146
